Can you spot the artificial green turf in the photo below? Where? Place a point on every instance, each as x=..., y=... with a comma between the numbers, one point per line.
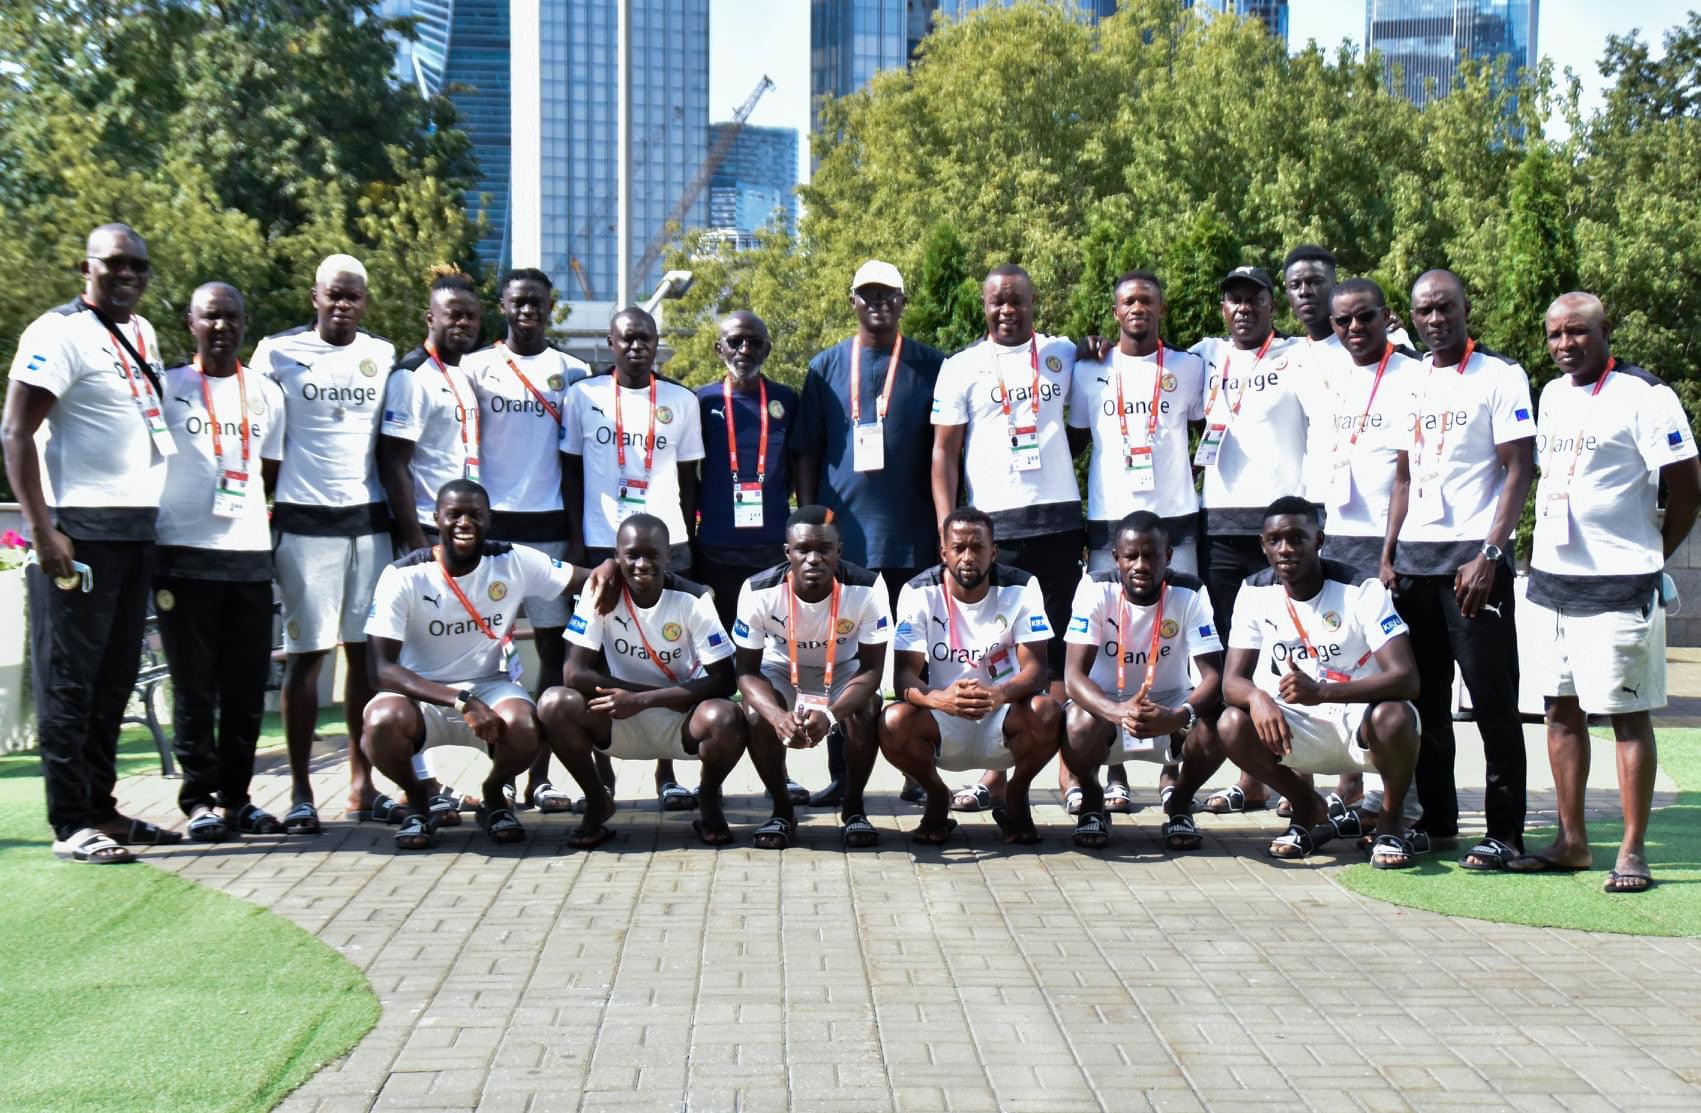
x=1671, y=907
x=126, y=987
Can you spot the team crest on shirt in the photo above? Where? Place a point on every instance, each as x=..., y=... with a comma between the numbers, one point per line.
x=164, y=599
x=1003, y=623
x=845, y=626
x=498, y=591
x=1169, y=629
x=257, y=407
x=1279, y=364
x=368, y=368
x=1168, y=381
x=664, y=415
x=1052, y=363
x=556, y=382
x=672, y=631
x=293, y=629
x=1331, y=620
x=775, y=410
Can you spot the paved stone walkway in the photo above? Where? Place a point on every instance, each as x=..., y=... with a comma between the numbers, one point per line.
x=655, y=974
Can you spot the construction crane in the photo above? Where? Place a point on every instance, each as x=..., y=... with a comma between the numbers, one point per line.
x=694, y=188
x=599, y=217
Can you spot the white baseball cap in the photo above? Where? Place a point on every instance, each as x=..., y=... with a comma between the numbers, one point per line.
x=877, y=273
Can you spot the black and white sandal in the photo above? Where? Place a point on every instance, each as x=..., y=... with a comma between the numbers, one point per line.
x=1180, y=833
x=1391, y=852
x=1117, y=798
x=92, y=846
x=1072, y=801
x=1489, y=856
x=971, y=798
x=548, y=799
x=208, y=826
x=1092, y=831
x=858, y=832
x=251, y=819
x=445, y=809
x=676, y=797
x=502, y=825
x=774, y=834
x=303, y=819
x=1297, y=843
x=415, y=834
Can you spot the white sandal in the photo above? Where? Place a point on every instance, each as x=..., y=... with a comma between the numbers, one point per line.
x=94, y=847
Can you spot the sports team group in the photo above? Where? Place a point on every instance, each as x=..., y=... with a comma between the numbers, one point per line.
x=1289, y=549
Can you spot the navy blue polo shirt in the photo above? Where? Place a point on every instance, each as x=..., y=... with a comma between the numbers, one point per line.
x=885, y=517
x=715, y=530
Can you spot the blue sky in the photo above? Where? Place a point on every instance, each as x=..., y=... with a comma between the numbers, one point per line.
x=750, y=37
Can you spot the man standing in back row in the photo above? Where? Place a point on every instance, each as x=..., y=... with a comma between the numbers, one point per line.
x=333, y=532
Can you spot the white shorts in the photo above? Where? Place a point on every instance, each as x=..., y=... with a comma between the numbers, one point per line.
x=966, y=744
x=1185, y=559
x=1164, y=750
x=548, y=610
x=657, y=734
x=1614, y=663
x=1326, y=738
x=811, y=679
x=444, y=725
x=327, y=585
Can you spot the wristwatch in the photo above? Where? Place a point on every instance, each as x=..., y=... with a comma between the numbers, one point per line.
x=1192, y=714
x=1492, y=551
x=463, y=696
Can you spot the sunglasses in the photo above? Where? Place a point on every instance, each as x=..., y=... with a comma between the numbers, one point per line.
x=123, y=263
x=1363, y=317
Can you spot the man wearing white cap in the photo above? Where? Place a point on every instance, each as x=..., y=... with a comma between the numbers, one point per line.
x=329, y=516
x=863, y=426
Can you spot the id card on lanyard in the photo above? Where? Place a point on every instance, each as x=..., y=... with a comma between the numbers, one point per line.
x=868, y=442
x=1024, y=431
x=1341, y=471
x=1217, y=427
x=510, y=661
x=1425, y=504
x=811, y=701
x=230, y=483
x=147, y=403
x=465, y=415
x=1553, y=501
x=747, y=497
x=633, y=492
x=1137, y=459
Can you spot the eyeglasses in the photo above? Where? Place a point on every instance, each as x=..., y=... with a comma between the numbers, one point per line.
x=1363, y=317
x=883, y=297
x=131, y=263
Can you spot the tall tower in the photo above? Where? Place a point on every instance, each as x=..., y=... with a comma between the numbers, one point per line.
x=1424, y=39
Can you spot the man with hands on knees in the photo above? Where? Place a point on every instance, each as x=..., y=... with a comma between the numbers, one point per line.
x=979, y=632
x=440, y=636
x=811, y=636
x=1318, y=680
x=1141, y=624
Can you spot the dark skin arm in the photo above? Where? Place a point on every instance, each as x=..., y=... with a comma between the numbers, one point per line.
x=573, y=502
x=947, y=468
x=797, y=731
x=1079, y=440
x=26, y=408
x=1683, y=498
x=621, y=699
x=269, y=475
x=806, y=470
x=1399, y=500
x=1142, y=717
x=1397, y=681
x=383, y=661
x=966, y=697
x=395, y=472
x=688, y=488
x=1472, y=583
x=759, y=695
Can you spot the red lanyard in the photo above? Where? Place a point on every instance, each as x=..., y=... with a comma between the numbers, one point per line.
x=129, y=375
x=1122, y=642
x=856, y=380
x=1612, y=361
x=832, y=634
x=620, y=433
x=527, y=383
x=1305, y=639
x=1417, y=426
x=951, y=614
x=1004, y=391
x=468, y=415
x=655, y=658
x=455, y=589
x=213, y=418
x=762, y=439
x=1151, y=414
x=1358, y=425
x=1222, y=378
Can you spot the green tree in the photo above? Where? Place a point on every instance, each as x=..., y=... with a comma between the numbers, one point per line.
x=944, y=303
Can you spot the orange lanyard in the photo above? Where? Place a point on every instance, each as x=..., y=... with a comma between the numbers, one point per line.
x=1612, y=361
x=527, y=383
x=951, y=614
x=1358, y=425
x=468, y=416
x=832, y=634
x=455, y=589
x=1151, y=414
x=638, y=625
x=213, y=418
x=762, y=438
x=1004, y=391
x=620, y=432
x=1305, y=639
x=1122, y=642
x=1417, y=426
x=856, y=380
x=1222, y=378
x=131, y=376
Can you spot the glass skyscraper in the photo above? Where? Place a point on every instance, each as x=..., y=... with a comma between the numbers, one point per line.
x=1273, y=13
x=757, y=177
x=1424, y=39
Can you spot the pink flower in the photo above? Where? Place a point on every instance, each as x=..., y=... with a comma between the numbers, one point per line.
x=12, y=539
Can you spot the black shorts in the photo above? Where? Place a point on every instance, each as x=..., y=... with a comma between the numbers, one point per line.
x=1054, y=559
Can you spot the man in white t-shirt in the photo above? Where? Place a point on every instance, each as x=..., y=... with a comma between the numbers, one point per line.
x=971, y=678
x=1308, y=280
x=431, y=431
x=1318, y=680
x=650, y=680
x=1134, y=632
x=86, y=448
x=1610, y=433
x=811, y=636
x=441, y=637
x=521, y=383
x=1461, y=478
x=333, y=530
x=213, y=574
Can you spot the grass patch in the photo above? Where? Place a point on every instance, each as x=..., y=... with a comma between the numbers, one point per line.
x=130, y=988
x=1672, y=907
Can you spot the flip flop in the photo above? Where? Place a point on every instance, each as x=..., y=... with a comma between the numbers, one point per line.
x=207, y=826
x=1391, y=852
x=502, y=825
x=255, y=820
x=858, y=832
x=1180, y=833
x=1014, y=836
x=96, y=848
x=303, y=819
x=1092, y=831
x=414, y=834
x=1293, y=845
x=1233, y=800
x=1540, y=863
x=386, y=809
x=1627, y=882
x=721, y=837
x=548, y=799
x=933, y=837
x=774, y=834
x=676, y=798
x=446, y=809
x=1118, y=799
x=978, y=796
x=585, y=838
